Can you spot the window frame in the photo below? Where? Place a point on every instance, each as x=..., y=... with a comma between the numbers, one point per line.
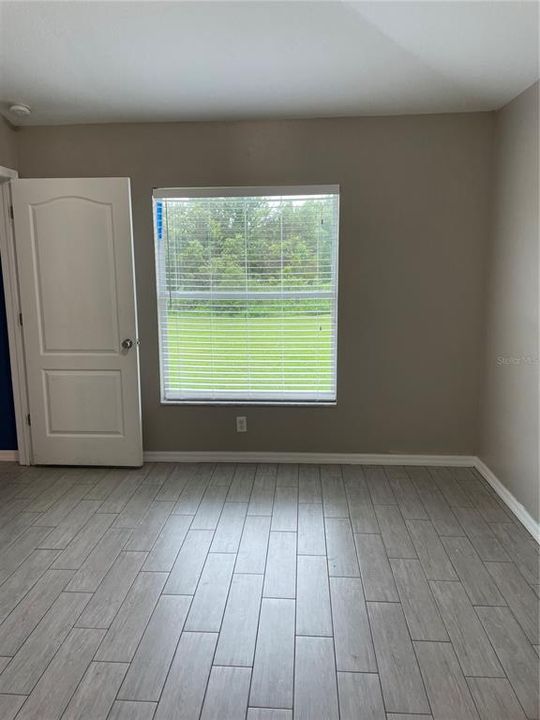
x=276, y=399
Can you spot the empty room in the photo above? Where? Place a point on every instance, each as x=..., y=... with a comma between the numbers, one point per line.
x=269, y=360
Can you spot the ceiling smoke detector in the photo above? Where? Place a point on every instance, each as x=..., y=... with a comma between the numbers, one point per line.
x=20, y=110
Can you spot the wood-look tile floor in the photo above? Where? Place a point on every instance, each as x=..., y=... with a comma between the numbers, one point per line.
x=265, y=592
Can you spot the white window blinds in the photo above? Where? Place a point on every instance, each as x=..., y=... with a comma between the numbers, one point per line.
x=247, y=293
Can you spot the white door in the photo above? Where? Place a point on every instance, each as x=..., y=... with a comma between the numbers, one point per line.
x=74, y=251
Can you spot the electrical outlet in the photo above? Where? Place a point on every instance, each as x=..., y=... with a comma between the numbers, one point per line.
x=241, y=423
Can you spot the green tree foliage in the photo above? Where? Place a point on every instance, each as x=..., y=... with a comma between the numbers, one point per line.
x=248, y=244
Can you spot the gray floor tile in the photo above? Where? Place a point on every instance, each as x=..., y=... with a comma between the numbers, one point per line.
x=109, y=596
x=309, y=484
x=437, y=508
x=280, y=577
x=472, y=647
x=287, y=475
x=100, y=561
x=229, y=530
x=446, y=687
x=236, y=645
x=206, y=612
x=360, y=696
x=268, y=714
x=97, y=691
x=479, y=533
x=352, y=637
x=21, y=548
x=407, y=498
x=189, y=563
x=183, y=694
x=242, y=483
x=168, y=544
x=222, y=475
x=431, y=553
x=313, y=614
x=516, y=654
x=401, y=683
x=84, y=542
x=521, y=548
x=137, y=507
x=191, y=496
x=362, y=514
x=421, y=613
x=10, y=705
x=58, y=683
x=149, y=667
x=127, y=628
x=315, y=690
x=253, y=545
x=342, y=560
x=210, y=508
x=394, y=533
x=379, y=487
x=23, y=672
x=27, y=614
x=272, y=678
x=407, y=716
x=121, y=494
x=472, y=572
x=147, y=532
x=173, y=485
x=129, y=710
x=284, y=516
x=333, y=492
x=375, y=569
x=311, y=540
x=495, y=699
x=450, y=487
x=106, y=484
x=227, y=694
x=23, y=580
x=523, y=601
x=69, y=526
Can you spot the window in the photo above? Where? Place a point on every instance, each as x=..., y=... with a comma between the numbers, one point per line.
x=247, y=293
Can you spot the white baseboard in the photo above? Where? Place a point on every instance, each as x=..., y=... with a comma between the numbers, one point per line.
x=311, y=457
x=9, y=456
x=509, y=500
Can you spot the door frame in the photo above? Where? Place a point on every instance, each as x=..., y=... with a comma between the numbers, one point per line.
x=13, y=315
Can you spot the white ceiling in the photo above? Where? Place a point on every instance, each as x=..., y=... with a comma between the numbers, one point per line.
x=76, y=62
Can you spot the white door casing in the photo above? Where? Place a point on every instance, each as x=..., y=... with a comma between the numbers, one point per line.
x=74, y=248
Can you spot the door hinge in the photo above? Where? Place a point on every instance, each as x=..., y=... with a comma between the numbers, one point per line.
x=28, y=419
x=11, y=215
x=20, y=319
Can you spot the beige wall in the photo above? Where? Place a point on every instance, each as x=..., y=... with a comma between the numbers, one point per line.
x=414, y=210
x=8, y=145
x=509, y=418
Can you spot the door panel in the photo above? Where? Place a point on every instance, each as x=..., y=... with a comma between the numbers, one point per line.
x=78, y=403
x=78, y=306
x=75, y=260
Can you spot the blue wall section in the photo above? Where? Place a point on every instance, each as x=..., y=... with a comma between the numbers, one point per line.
x=8, y=434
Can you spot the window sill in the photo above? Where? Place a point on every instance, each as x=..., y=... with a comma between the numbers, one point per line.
x=252, y=403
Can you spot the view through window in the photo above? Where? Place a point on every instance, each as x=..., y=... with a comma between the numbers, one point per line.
x=247, y=293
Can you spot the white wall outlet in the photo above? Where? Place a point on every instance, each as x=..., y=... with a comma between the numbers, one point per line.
x=241, y=423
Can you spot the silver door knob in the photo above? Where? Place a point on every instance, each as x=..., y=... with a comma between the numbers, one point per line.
x=127, y=343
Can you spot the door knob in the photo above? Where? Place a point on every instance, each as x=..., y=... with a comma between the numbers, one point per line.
x=127, y=343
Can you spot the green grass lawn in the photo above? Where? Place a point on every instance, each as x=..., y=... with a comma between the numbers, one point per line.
x=227, y=352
